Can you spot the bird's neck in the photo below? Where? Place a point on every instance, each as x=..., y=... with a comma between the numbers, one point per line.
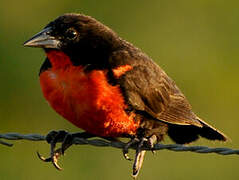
x=58, y=59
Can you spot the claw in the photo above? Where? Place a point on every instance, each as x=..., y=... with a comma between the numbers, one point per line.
x=125, y=154
x=52, y=138
x=42, y=158
x=66, y=138
x=138, y=162
x=54, y=158
x=139, y=156
x=127, y=146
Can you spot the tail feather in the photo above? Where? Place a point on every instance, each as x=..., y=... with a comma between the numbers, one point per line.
x=182, y=134
x=209, y=132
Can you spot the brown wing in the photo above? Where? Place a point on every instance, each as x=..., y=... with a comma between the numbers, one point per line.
x=148, y=89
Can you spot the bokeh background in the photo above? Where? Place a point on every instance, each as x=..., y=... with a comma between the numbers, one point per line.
x=195, y=42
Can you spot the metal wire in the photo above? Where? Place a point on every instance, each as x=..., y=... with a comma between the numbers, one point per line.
x=120, y=145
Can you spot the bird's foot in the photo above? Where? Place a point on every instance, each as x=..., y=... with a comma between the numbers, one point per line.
x=139, y=143
x=53, y=138
x=125, y=150
x=66, y=138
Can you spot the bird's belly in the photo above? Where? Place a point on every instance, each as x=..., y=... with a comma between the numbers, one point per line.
x=88, y=101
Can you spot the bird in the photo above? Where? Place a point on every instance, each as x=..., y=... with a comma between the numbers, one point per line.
x=109, y=88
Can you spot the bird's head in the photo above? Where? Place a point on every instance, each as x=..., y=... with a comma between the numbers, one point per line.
x=80, y=37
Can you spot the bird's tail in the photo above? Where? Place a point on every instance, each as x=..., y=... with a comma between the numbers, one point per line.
x=211, y=133
x=182, y=134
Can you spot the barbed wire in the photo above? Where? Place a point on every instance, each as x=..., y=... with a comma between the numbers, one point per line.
x=120, y=145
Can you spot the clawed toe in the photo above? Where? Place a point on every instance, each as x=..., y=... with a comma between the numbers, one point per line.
x=125, y=154
x=125, y=150
x=66, y=138
x=52, y=138
x=43, y=158
x=139, y=143
x=54, y=158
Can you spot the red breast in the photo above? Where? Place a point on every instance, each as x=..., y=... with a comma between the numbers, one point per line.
x=86, y=99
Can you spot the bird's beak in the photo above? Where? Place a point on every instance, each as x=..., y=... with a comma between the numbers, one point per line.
x=43, y=39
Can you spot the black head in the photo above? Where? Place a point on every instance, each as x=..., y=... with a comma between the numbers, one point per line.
x=84, y=39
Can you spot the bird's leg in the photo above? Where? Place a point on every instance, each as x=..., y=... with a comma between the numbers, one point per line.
x=139, y=156
x=66, y=138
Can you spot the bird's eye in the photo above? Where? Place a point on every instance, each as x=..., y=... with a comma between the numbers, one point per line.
x=71, y=33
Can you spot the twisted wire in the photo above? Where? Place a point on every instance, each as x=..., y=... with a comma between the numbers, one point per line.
x=120, y=145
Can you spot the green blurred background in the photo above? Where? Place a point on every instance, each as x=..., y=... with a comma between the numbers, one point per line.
x=195, y=42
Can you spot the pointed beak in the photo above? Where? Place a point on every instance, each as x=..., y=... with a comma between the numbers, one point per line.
x=43, y=39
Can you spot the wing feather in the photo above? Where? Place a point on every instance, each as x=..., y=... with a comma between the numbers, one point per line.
x=148, y=88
